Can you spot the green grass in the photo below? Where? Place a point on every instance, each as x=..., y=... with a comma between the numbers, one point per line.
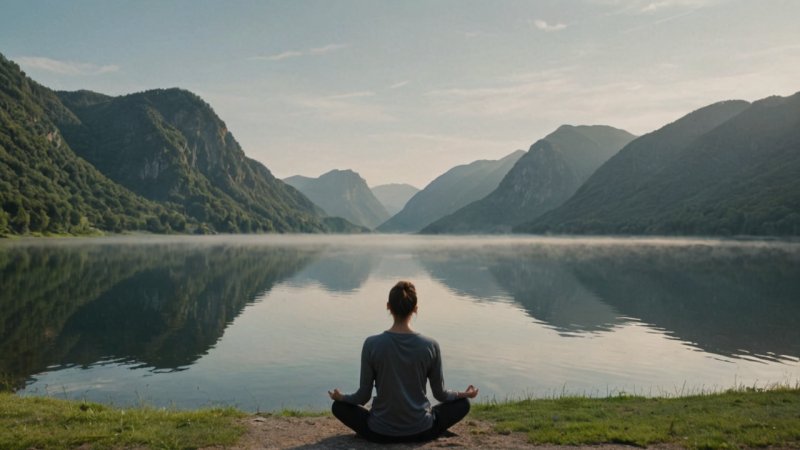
x=47, y=423
x=736, y=418
x=733, y=419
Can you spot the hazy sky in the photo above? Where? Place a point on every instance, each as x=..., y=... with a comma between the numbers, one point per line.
x=401, y=91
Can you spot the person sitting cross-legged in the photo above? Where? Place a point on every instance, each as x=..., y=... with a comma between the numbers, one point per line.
x=399, y=362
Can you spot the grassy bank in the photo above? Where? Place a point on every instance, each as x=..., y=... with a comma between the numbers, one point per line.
x=736, y=418
x=47, y=423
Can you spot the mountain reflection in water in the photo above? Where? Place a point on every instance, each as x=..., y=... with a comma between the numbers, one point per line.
x=158, y=306
x=729, y=300
x=228, y=313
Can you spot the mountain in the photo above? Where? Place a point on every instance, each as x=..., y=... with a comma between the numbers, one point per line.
x=168, y=145
x=449, y=192
x=44, y=186
x=158, y=161
x=545, y=177
x=342, y=193
x=394, y=197
x=731, y=168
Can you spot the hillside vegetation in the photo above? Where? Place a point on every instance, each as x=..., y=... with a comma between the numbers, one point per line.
x=546, y=176
x=449, y=192
x=728, y=169
x=159, y=161
x=44, y=186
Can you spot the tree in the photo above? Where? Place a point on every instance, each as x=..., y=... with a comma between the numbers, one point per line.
x=20, y=223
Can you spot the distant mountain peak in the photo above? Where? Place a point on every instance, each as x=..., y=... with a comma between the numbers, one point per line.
x=729, y=168
x=450, y=191
x=342, y=193
x=169, y=145
x=543, y=178
x=341, y=173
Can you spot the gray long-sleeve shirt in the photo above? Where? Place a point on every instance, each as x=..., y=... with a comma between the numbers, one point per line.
x=399, y=364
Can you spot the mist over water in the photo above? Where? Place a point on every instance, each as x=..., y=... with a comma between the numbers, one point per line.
x=264, y=322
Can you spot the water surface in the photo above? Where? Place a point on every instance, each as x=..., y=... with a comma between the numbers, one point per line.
x=265, y=322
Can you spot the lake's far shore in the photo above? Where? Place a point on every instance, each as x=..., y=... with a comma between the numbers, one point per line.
x=742, y=418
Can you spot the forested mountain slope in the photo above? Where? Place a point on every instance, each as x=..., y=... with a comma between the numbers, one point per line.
x=170, y=146
x=158, y=161
x=452, y=190
x=44, y=186
x=731, y=168
x=546, y=176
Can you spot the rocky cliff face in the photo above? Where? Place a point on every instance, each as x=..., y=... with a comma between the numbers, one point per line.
x=541, y=180
x=170, y=146
x=44, y=186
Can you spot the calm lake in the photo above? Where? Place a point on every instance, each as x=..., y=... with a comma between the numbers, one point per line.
x=267, y=322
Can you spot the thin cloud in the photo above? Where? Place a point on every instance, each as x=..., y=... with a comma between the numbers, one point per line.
x=358, y=94
x=72, y=68
x=348, y=107
x=398, y=85
x=547, y=27
x=327, y=49
x=281, y=56
x=643, y=7
x=635, y=101
x=299, y=53
x=656, y=6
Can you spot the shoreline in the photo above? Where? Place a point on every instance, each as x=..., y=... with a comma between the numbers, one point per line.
x=370, y=238
x=742, y=417
x=325, y=432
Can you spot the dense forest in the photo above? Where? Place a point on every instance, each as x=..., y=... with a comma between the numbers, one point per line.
x=45, y=187
x=170, y=146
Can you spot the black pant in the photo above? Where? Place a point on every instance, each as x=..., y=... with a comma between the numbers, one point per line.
x=445, y=415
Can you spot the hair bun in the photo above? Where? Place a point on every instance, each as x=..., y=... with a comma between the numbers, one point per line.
x=402, y=299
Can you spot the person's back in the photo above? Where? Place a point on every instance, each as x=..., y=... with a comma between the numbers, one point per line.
x=402, y=363
x=398, y=363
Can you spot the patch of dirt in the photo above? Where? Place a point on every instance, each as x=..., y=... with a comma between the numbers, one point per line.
x=312, y=433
